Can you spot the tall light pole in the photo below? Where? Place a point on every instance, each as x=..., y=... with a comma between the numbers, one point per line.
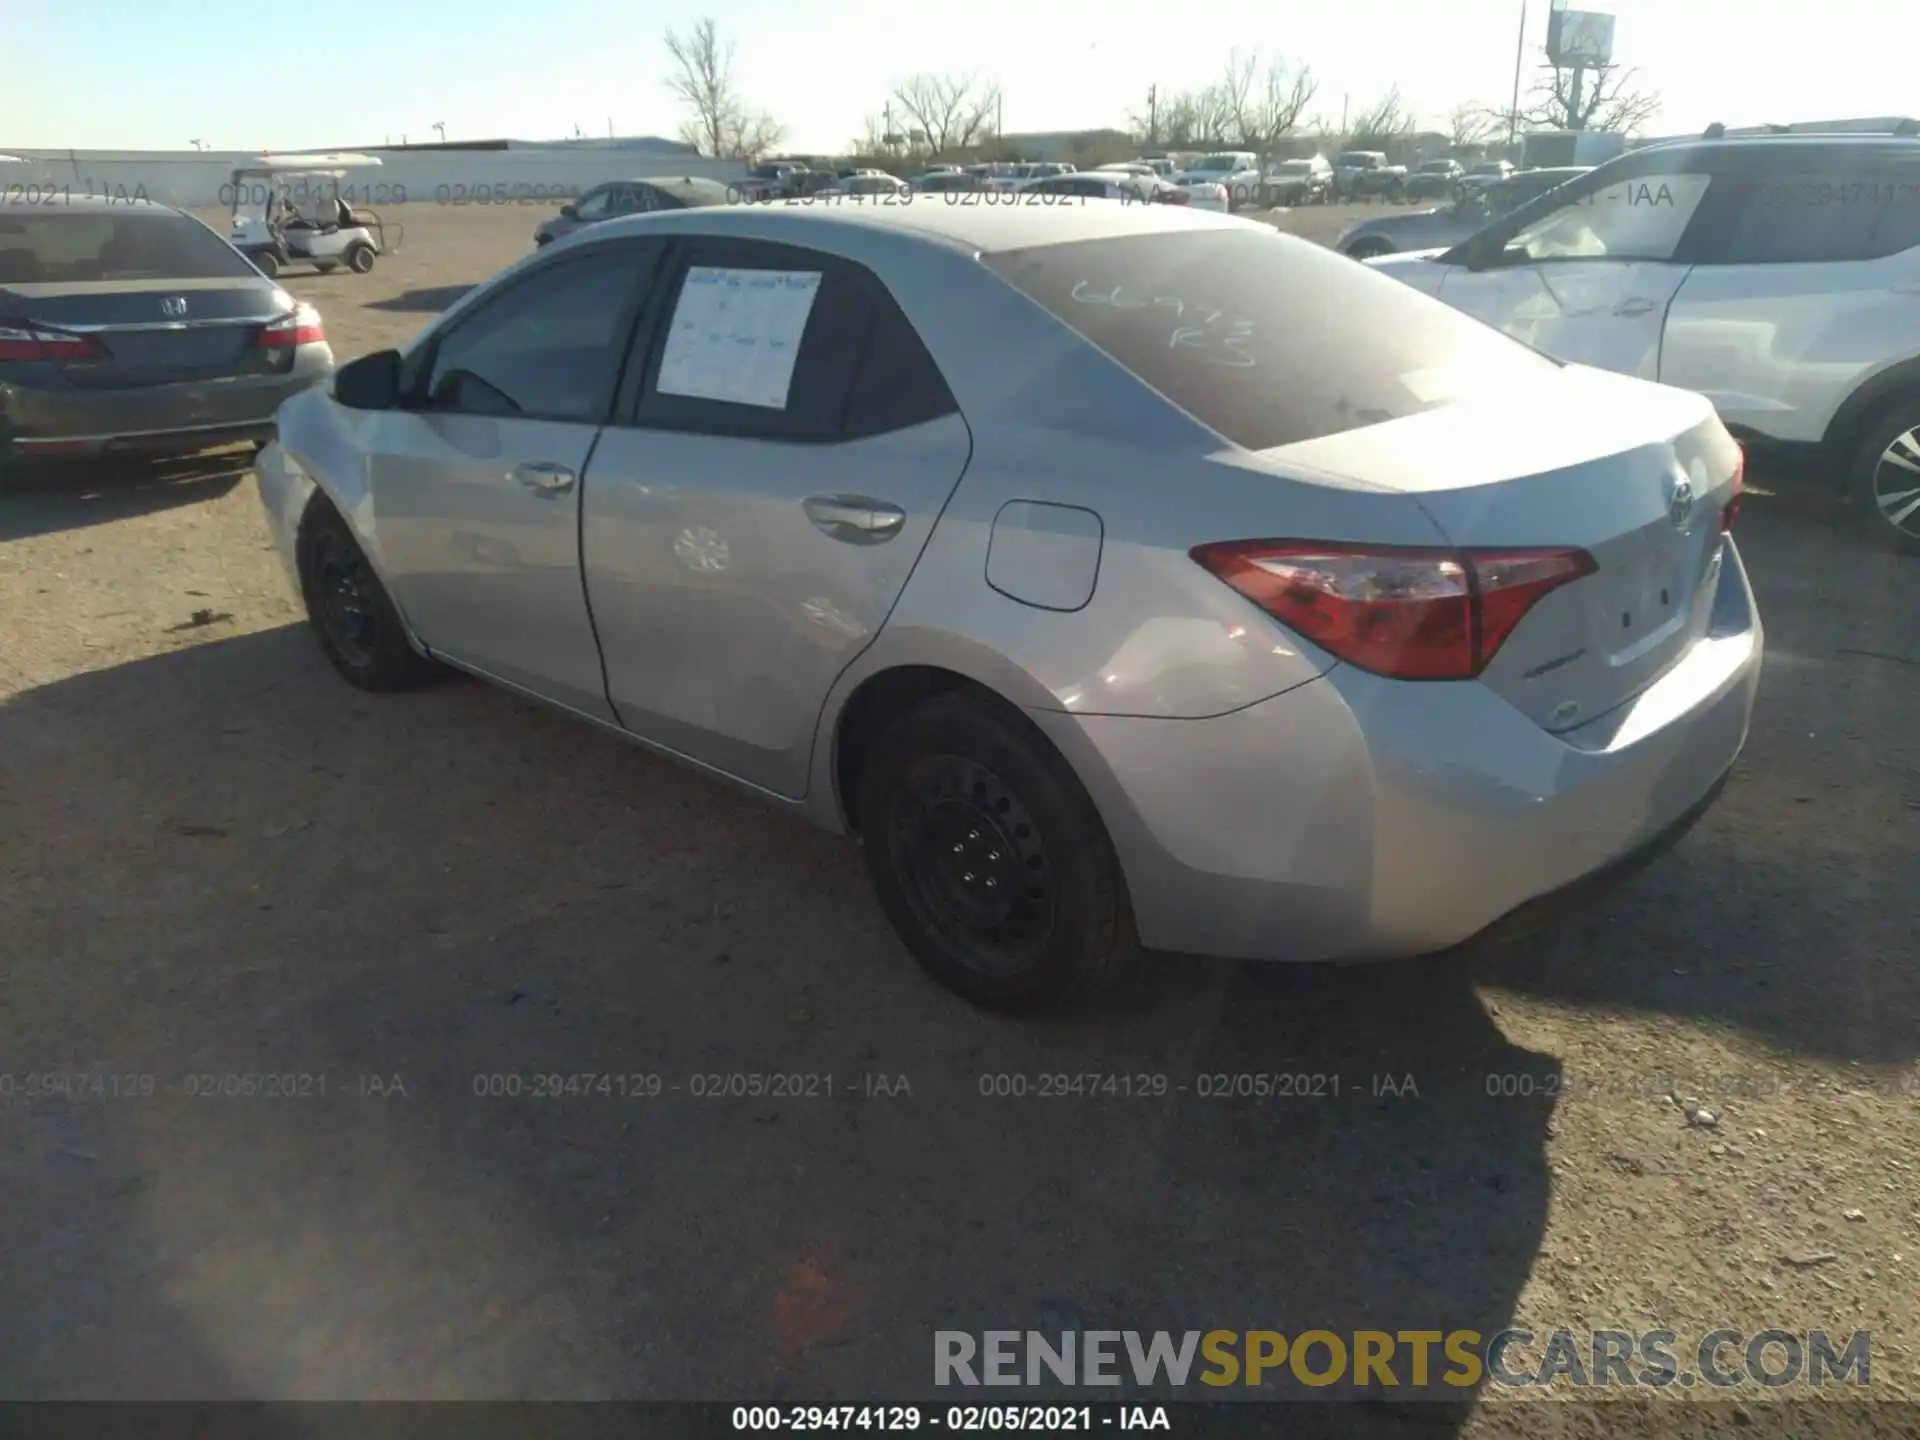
x=1519, y=59
x=1153, y=116
x=441, y=126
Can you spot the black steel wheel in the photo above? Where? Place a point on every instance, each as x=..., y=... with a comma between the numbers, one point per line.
x=989, y=857
x=350, y=611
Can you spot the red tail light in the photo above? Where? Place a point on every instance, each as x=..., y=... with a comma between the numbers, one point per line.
x=1739, y=485
x=302, y=327
x=27, y=343
x=1406, y=613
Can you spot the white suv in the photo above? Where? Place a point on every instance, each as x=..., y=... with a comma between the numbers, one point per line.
x=1777, y=275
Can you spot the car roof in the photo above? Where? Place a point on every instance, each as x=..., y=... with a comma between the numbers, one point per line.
x=683, y=187
x=982, y=229
x=1771, y=149
x=92, y=204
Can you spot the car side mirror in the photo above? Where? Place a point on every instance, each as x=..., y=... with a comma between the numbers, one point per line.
x=569, y=212
x=369, y=383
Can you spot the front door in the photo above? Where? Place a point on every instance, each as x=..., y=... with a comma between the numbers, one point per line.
x=789, y=445
x=476, y=483
x=1590, y=280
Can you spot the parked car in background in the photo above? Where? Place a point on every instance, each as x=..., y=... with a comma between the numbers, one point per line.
x=949, y=182
x=874, y=184
x=127, y=326
x=839, y=562
x=1298, y=182
x=1092, y=185
x=1450, y=223
x=1489, y=172
x=633, y=197
x=772, y=181
x=1436, y=179
x=1733, y=268
x=1366, y=175
x=1237, y=170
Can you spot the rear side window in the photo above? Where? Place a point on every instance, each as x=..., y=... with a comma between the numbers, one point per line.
x=860, y=369
x=1813, y=216
x=1265, y=339
x=59, y=246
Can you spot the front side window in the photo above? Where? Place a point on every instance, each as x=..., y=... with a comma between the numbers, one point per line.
x=1639, y=219
x=1217, y=321
x=547, y=346
x=594, y=205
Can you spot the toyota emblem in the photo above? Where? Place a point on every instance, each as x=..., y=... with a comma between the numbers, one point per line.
x=1680, y=504
x=174, y=305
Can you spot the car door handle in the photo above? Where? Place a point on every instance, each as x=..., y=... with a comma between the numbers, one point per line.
x=1638, y=305
x=855, y=518
x=544, y=477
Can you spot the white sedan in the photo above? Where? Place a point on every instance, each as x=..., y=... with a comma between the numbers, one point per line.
x=1129, y=188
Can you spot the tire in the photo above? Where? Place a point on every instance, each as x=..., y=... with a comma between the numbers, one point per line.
x=349, y=610
x=266, y=262
x=962, y=796
x=1888, y=493
x=360, y=259
x=1369, y=249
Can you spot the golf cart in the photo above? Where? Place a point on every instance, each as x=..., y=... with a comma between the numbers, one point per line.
x=290, y=210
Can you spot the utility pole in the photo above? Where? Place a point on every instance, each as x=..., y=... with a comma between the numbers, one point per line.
x=1153, y=116
x=1575, y=120
x=1343, y=114
x=886, y=128
x=1519, y=58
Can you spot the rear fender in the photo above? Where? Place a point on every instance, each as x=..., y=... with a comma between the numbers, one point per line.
x=1897, y=382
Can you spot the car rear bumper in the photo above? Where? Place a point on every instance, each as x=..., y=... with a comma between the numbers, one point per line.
x=1362, y=818
x=65, y=420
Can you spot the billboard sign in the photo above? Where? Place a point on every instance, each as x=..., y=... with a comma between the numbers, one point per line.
x=1580, y=39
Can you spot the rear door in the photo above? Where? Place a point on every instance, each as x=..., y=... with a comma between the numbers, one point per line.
x=1807, y=285
x=785, y=450
x=1588, y=279
x=476, y=483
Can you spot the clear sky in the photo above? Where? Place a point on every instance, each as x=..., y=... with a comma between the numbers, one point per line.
x=243, y=74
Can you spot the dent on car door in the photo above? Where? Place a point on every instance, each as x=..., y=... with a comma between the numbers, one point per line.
x=1590, y=279
x=476, y=481
x=1809, y=286
x=747, y=532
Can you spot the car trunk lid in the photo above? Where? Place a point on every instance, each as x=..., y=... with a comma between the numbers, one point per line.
x=148, y=332
x=1636, y=475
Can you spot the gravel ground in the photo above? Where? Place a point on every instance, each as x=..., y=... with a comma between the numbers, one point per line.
x=216, y=858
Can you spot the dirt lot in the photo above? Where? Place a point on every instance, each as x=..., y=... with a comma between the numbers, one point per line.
x=217, y=859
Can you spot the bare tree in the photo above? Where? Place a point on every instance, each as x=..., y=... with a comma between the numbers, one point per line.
x=1386, y=119
x=1607, y=98
x=955, y=111
x=1471, y=124
x=1269, y=107
x=1246, y=106
x=702, y=80
x=872, y=139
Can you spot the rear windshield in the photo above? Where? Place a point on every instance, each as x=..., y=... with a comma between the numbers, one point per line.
x=1263, y=338
x=81, y=245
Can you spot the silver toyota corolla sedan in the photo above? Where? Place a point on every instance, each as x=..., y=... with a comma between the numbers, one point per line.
x=1119, y=575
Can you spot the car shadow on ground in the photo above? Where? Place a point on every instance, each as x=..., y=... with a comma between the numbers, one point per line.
x=430, y=301
x=50, y=496
x=1788, y=912
x=427, y=902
